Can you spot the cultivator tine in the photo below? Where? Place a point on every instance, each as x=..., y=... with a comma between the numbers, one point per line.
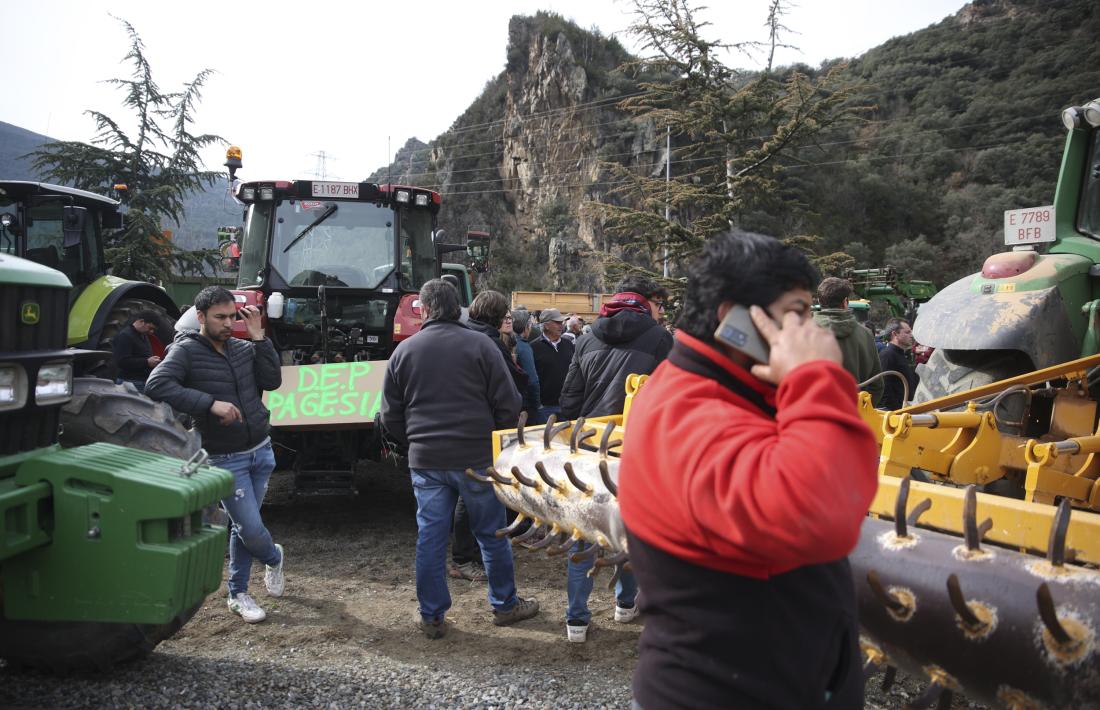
x=520, y=518
x=958, y=601
x=888, y=678
x=550, y=538
x=919, y=510
x=934, y=694
x=590, y=551
x=606, y=438
x=563, y=548
x=536, y=526
x=875, y=659
x=605, y=474
x=1049, y=615
x=545, y=476
x=616, y=577
x=501, y=478
x=900, y=504
x=1056, y=548
x=520, y=423
x=613, y=561
x=551, y=430
x=477, y=477
x=896, y=606
x=573, y=443
x=971, y=530
x=529, y=482
x=578, y=483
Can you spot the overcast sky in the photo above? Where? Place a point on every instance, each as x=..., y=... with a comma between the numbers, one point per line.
x=353, y=79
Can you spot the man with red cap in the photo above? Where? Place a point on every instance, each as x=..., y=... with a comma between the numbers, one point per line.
x=626, y=339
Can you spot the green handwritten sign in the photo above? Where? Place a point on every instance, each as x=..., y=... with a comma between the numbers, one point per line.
x=335, y=393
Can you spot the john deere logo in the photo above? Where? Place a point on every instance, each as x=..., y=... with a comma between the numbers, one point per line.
x=28, y=313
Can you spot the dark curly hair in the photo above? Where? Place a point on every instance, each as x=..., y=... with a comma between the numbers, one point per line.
x=212, y=296
x=744, y=268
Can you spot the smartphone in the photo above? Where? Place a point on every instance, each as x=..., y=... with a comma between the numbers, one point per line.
x=739, y=332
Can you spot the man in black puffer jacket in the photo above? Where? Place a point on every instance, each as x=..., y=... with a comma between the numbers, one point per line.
x=218, y=380
x=627, y=338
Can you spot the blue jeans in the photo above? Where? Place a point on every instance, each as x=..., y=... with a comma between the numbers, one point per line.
x=248, y=538
x=579, y=587
x=436, y=493
x=545, y=411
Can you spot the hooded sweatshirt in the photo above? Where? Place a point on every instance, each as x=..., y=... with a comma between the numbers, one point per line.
x=857, y=344
x=627, y=342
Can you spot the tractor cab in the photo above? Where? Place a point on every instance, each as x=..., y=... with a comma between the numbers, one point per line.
x=56, y=226
x=338, y=263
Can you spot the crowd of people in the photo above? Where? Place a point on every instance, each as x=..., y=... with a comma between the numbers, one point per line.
x=742, y=489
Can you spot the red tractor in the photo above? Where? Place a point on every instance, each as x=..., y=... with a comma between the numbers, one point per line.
x=336, y=267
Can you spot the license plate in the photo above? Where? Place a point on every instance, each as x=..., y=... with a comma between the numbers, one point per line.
x=336, y=189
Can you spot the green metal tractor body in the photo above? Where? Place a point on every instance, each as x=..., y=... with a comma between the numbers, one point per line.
x=901, y=297
x=103, y=549
x=64, y=228
x=1026, y=310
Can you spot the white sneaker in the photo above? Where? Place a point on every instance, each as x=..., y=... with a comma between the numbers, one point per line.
x=625, y=615
x=273, y=576
x=576, y=632
x=246, y=607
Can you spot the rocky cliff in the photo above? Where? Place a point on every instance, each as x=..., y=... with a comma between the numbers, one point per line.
x=525, y=157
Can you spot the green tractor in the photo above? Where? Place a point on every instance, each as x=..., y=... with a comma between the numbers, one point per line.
x=64, y=228
x=1026, y=310
x=104, y=550
x=890, y=294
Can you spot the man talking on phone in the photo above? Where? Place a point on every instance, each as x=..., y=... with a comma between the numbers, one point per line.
x=218, y=379
x=743, y=488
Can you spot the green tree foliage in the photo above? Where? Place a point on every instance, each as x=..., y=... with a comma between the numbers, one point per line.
x=734, y=131
x=158, y=162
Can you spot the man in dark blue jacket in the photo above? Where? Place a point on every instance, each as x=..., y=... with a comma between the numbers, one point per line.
x=217, y=379
x=895, y=357
x=626, y=339
x=446, y=389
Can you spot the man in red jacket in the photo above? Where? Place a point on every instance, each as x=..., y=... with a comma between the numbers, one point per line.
x=743, y=487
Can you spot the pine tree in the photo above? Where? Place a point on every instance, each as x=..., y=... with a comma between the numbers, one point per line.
x=732, y=132
x=159, y=164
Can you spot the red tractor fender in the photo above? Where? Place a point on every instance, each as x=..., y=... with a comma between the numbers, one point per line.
x=408, y=319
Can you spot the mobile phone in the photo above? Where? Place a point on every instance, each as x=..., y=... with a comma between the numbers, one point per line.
x=739, y=332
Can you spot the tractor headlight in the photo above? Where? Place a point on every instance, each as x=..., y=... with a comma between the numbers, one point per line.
x=55, y=383
x=248, y=194
x=401, y=196
x=1092, y=113
x=13, y=387
x=1072, y=117
x=421, y=199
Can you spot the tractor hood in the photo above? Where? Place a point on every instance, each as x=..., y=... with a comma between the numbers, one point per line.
x=1028, y=312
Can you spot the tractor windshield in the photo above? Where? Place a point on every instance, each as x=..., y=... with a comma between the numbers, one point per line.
x=37, y=234
x=319, y=243
x=1088, y=217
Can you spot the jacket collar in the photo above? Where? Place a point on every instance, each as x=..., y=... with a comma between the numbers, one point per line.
x=719, y=361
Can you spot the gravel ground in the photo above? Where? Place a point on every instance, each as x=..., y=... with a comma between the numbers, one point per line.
x=342, y=636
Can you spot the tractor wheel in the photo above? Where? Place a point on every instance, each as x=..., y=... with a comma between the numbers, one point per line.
x=119, y=317
x=100, y=410
x=81, y=646
x=952, y=371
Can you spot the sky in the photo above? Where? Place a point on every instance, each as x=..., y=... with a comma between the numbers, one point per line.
x=348, y=79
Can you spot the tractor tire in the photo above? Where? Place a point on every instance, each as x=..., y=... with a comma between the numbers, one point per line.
x=100, y=410
x=951, y=371
x=119, y=317
x=63, y=647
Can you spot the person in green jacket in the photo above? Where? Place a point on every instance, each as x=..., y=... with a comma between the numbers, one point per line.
x=857, y=343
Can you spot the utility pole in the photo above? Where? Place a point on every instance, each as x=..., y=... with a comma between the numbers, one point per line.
x=668, y=180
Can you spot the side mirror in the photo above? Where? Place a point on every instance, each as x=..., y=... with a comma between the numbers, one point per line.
x=112, y=220
x=72, y=224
